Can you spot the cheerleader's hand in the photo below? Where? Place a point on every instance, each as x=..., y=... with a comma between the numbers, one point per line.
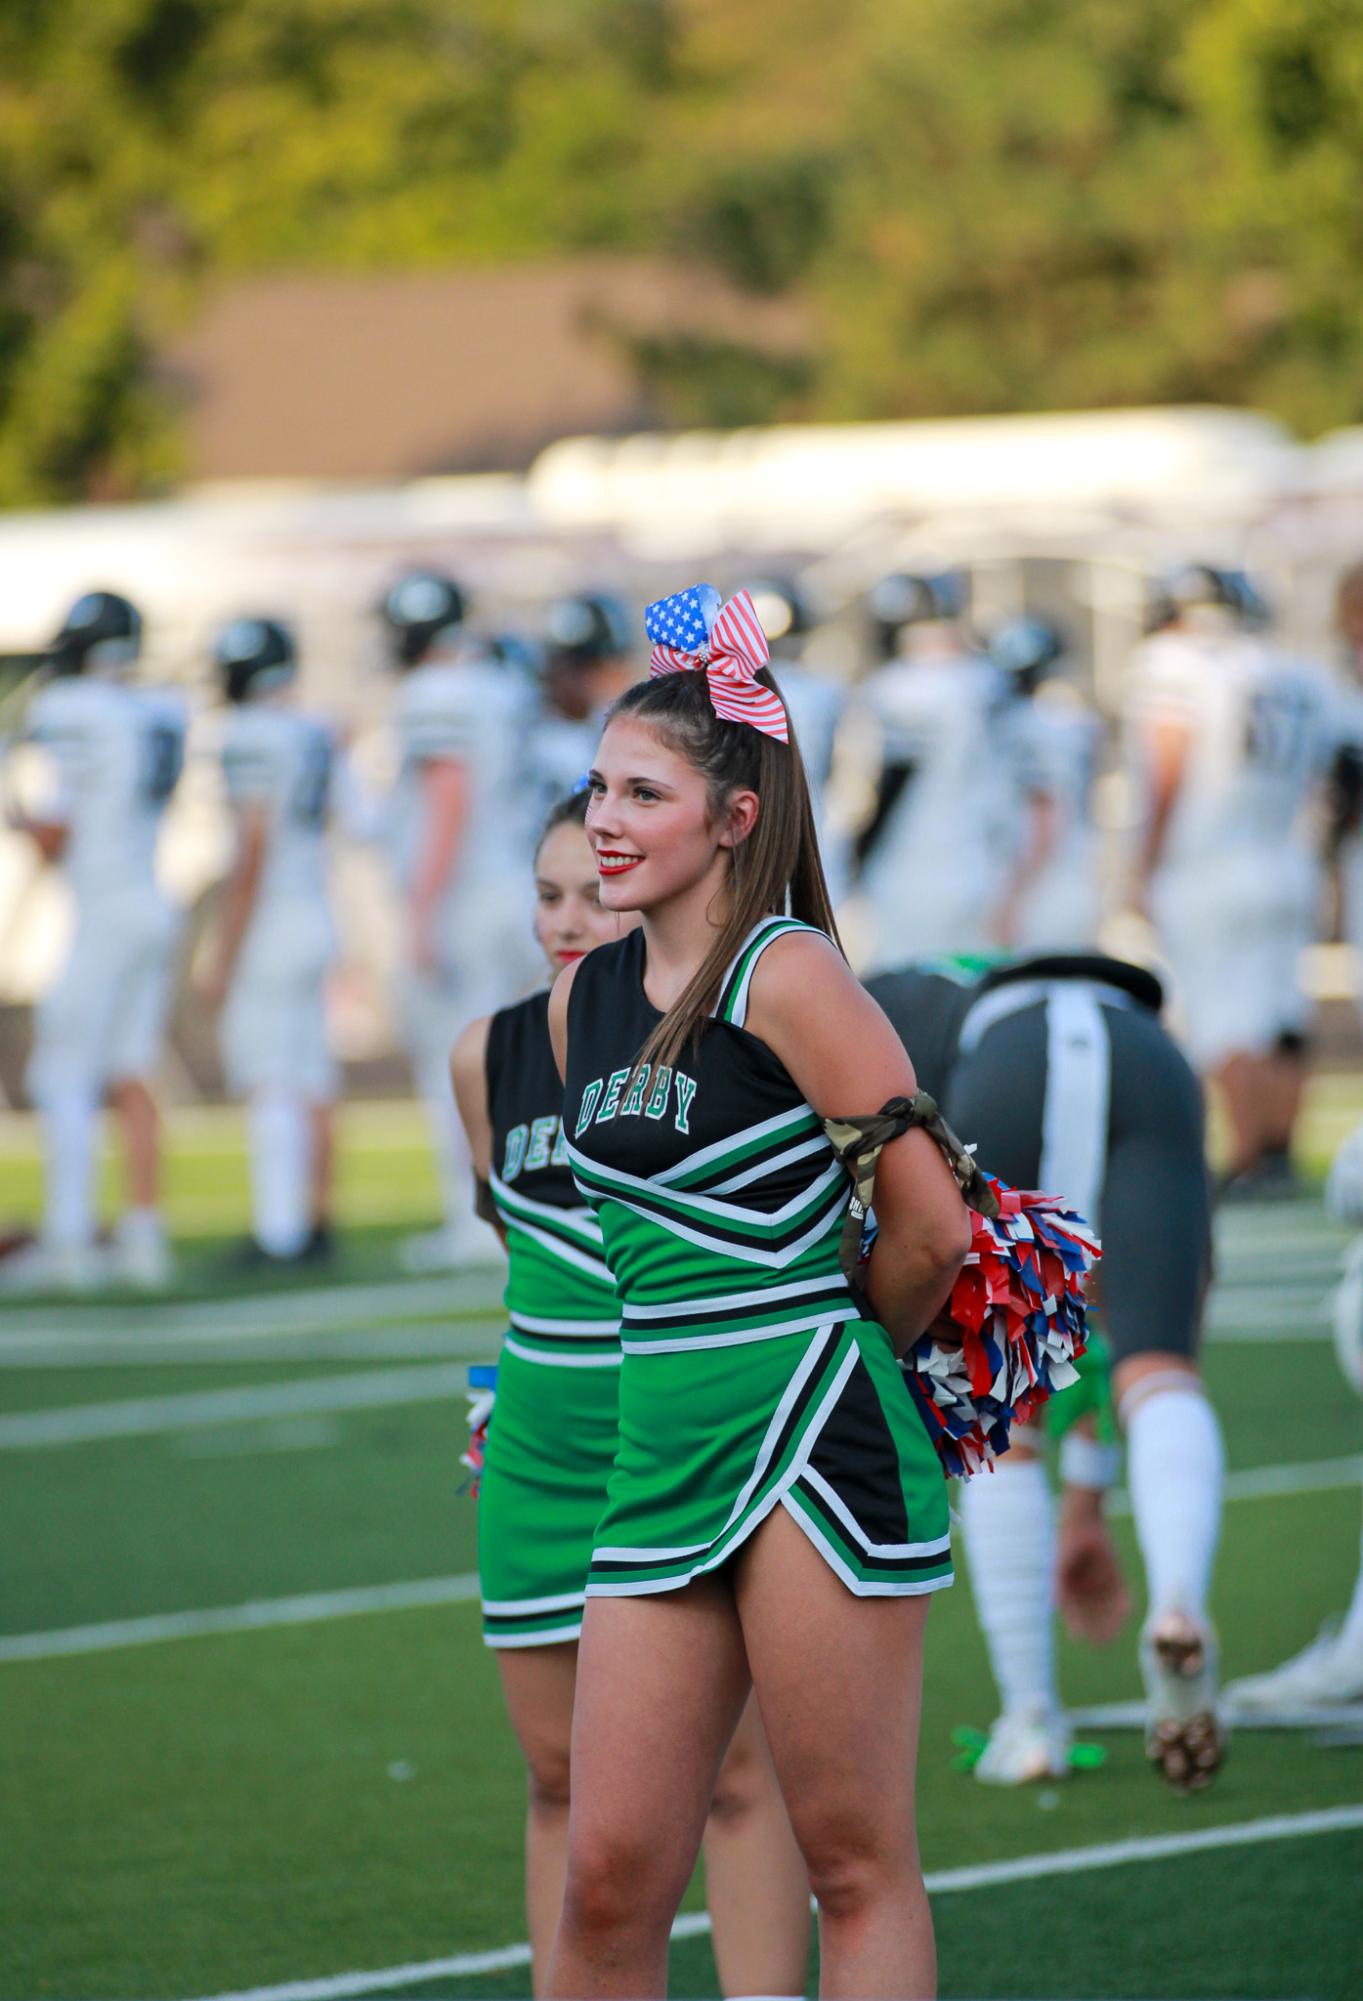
x=945, y=1332
x=1091, y=1589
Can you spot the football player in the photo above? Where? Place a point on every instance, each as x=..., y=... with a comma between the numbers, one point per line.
x=816, y=705
x=114, y=754
x=934, y=851
x=1050, y=901
x=276, y=938
x=458, y=831
x=1059, y=1073
x=1230, y=741
x=588, y=660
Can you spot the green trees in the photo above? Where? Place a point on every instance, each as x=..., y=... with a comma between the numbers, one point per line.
x=985, y=204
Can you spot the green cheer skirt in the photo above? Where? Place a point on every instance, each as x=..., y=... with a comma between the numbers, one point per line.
x=550, y=1448
x=711, y=1439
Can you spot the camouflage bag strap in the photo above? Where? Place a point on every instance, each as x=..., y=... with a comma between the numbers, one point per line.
x=858, y=1143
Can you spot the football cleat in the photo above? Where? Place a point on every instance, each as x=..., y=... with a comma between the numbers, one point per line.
x=139, y=1254
x=1024, y=1747
x=1184, y=1734
x=1324, y=1674
x=449, y=1249
x=40, y=1267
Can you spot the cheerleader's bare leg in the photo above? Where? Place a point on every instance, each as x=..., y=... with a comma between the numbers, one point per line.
x=839, y=1681
x=756, y=1883
x=537, y=1683
x=662, y=1682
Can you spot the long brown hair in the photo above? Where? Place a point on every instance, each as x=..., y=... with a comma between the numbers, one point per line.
x=776, y=872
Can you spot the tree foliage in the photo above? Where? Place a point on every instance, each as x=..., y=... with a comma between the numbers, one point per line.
x=986, y=204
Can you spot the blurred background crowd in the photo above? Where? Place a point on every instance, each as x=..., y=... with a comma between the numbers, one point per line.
x=342, y=344
x=284, y=875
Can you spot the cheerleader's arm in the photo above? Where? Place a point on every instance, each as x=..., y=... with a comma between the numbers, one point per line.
x=841, y=1050
x=468, y=1074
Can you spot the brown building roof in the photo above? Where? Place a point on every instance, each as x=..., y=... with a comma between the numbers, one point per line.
x=383, y=376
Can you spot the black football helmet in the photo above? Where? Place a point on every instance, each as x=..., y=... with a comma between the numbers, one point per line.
x=1205, y=586
x=586, y=628
x=781, y=609
x=418, y=610
x=1026, y=649
x=901, y=600
x=101, y=630
x=253, y=655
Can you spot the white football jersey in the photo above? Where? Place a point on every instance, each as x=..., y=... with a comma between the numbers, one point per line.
x=117, y=753
x=816, y=706
x=1262, y=727
x=561, y=752
x=1056, y=740
x=476, y=715
x=945, y=719
x=285, y=763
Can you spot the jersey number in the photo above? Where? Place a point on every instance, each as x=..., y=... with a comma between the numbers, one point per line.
x=1276, y=730
x=313, y=791
x=162, y=764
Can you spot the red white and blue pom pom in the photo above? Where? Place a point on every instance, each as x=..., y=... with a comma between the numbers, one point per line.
x=1018, y=1307
x=482, y=1395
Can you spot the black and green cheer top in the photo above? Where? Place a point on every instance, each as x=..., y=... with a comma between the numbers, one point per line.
x=719, y=1197
x=560, y=1295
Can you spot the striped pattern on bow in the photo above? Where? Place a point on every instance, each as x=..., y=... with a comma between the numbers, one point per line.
x=729, y=657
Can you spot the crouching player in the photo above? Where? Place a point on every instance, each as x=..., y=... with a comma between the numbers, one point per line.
x=551, y=1446
x=276, y=940
x=1060, y=1073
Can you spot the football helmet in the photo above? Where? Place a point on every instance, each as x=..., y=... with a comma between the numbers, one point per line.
x=102, y=632
x=902, y=599
x=781, y=609
x=254, y=655
x=586, y=628
x=417, y=610
x=1026, y=649
x=1195, y=587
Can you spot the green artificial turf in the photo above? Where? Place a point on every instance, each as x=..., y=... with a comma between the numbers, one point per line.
x=206, y=1815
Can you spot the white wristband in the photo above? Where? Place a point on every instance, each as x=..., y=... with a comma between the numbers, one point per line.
x=1084, y=1462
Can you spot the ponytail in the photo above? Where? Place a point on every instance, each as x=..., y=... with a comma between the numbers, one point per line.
x=776, y=872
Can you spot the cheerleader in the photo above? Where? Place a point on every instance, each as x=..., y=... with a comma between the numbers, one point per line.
x=550, y=1448
x=777, y=1517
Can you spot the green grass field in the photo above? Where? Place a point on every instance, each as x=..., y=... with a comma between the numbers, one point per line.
x=249, y=1738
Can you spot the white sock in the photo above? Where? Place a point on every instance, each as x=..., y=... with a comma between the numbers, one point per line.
x=1009, y=1521
x=1351, y=1632
x=69, y=1120
x=1174, y=1468
x=279, y=1132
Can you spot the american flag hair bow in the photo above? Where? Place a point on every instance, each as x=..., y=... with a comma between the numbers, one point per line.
x=692, y=632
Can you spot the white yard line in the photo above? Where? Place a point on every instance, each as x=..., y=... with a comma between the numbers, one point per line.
x=474, y=1339
x=1255, y=1483
x=1286, y=1311
x=940, y=1883
x=140, y=1417
x=315, y=1308
x=1132, y=1716
x=1267, y=1483
x=255, y=1617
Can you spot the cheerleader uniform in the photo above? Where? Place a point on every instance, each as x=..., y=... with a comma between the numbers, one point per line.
x=749, y=1379
x=551, y=1438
